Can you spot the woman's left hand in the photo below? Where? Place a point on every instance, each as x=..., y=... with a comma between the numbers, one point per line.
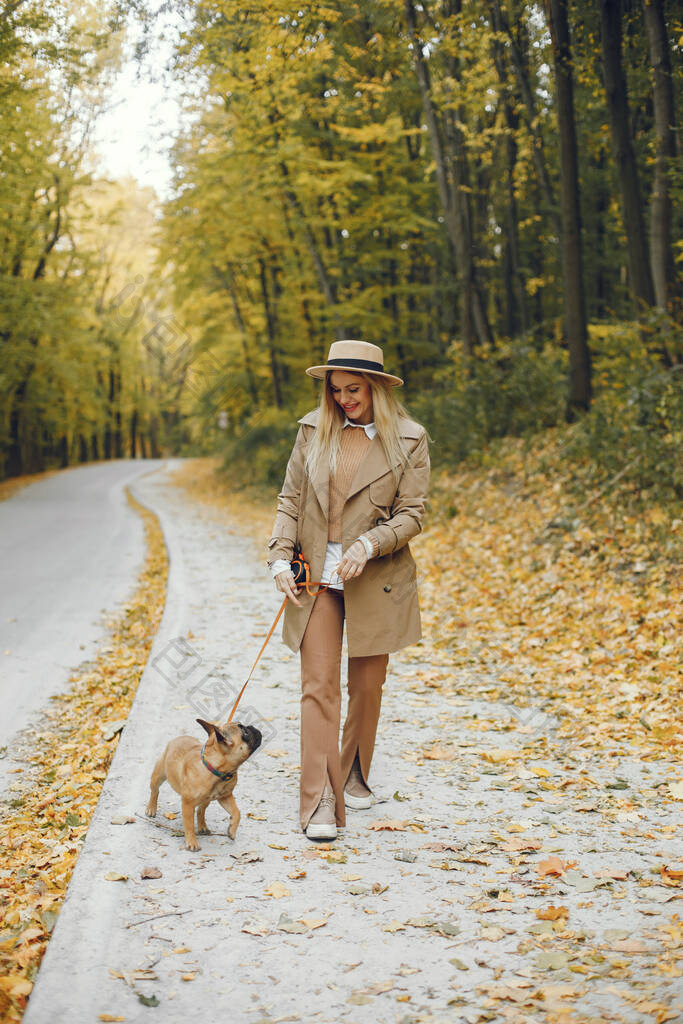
x=352, y=561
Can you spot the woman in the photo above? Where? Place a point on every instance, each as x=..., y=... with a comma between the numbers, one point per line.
x=353, y=496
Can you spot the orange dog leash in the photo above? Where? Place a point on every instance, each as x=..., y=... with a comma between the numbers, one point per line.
x=307, y=584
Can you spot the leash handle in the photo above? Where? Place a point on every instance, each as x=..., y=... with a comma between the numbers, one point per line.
x=308, y=584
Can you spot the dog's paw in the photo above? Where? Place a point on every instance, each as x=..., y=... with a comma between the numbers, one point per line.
x=192, y=844
x=232, y=832
x=203, y=831
x=151, y=812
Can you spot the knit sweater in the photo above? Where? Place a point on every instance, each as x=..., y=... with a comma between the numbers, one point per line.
x=353, y=448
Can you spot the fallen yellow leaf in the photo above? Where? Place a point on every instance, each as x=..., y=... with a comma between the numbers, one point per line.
x=552, y=913
x=553, y=866
x=277, y=890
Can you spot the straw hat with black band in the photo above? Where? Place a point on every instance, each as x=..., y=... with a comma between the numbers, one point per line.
x=355, y=356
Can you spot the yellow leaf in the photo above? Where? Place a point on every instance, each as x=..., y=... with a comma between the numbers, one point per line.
x=553, y=866
x=552, y=913
x=500, y=756
x=313, y=922
x=336, y=856
x=277, y=890
x=440, y=753
x=17, y=987
x=390, y=825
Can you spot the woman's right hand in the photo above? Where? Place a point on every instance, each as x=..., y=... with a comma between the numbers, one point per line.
x=286, y=585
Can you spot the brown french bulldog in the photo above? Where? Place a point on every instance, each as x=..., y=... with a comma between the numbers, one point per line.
x=201, y=774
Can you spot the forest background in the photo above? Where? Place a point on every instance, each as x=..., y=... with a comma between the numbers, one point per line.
x=488, y=189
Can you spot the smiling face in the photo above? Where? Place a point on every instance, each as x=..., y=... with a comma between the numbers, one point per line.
x=353, y=393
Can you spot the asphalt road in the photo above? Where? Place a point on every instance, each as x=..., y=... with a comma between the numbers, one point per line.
x=71, y=548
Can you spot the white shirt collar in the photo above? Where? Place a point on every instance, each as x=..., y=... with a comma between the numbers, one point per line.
x=369, y=428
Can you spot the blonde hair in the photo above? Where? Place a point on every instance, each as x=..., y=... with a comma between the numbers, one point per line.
x=386, y=409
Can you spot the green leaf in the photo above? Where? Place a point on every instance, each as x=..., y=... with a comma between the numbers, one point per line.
x=148, y=1000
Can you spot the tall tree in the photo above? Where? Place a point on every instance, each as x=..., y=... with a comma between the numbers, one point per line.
x=515, y=294
x=452, y=175
x=624, y=155
x=572, y=250
x=528, y=91
x=663, y=268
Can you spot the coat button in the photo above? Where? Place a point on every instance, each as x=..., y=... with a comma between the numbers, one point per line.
x=387, y=588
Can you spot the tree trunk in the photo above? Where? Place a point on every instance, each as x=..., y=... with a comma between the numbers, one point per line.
x=601, y=205
x=665, y=130
x=155, y=450
x=134, y=434
x=462, y=192
x=270, y=334
x=451, y=165
x=63, y=451
x=572, y=254
x=118, y=433
x=404, y=369
x=515, y=295
x=110, y=428
x=624, y=155
x=14, y=461
x=520, y=67
x=227, y=279
x=276, y=293
x=315, y=339
x=327, y=283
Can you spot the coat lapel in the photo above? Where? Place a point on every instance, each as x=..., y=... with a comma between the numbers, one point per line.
x=373, y=465
x=320, y=482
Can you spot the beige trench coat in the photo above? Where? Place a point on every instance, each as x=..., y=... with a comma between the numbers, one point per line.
x=381, y=605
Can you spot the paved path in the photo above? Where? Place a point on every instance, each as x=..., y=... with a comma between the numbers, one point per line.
x=435, y=921
x=70, y=550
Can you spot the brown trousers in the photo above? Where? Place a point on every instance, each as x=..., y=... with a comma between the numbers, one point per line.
x=321, y=707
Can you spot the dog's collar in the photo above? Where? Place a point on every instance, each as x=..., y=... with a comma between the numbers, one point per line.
x=214, y=771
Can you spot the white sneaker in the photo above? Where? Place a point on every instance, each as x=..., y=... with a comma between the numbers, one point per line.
x=322, y=824
x=357, y=803
x=362, y=799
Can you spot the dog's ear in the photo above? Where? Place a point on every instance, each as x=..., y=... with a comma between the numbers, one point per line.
x=209, y=726
x=222, y=738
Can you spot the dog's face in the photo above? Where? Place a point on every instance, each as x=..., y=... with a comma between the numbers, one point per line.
x=230, y=744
